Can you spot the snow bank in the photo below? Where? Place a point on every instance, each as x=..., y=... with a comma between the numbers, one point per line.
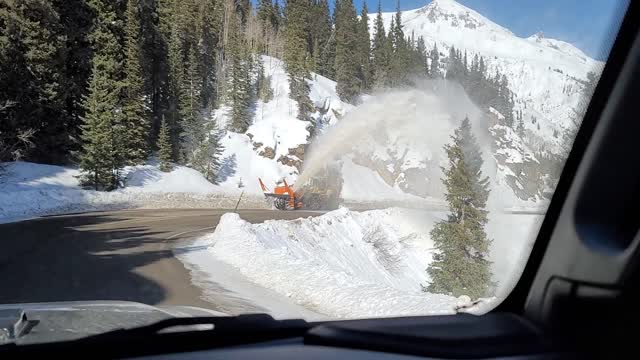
x=28, y=190
x=343, y=264
x=148, y=178
x=347, y=264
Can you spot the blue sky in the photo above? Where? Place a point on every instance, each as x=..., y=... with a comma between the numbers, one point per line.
x=585, y=23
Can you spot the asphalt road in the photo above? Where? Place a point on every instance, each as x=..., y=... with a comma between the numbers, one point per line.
x=117, y=255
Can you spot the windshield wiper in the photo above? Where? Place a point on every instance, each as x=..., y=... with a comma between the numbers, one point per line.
x=167, y=336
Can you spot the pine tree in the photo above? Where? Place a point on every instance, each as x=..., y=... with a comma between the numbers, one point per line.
x=210, y=152
x=296, y=57
x=165, y=152
x=520, y=128
x=348, y=84
x=32, y=45
x=107, y=39
x=400, y=61
x=460, y=266
x=434, y=69
x=135, y=118
x=381, y=52
x=278, y=19
x=210, y=27
x=103, y=153
x=321, y=44
x=265, y=12
x=364, y=49
x=239, y=91
x=190, y=108
x=98, y=159
x=77, y=69
x=421, y=49
x=263, y=84
x=175, y=61
x=453, y=72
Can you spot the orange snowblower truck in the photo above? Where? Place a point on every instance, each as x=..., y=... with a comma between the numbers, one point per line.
x=284, y=198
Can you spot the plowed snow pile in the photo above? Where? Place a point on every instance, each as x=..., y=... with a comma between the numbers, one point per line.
x=29, y=189
x=341, y=264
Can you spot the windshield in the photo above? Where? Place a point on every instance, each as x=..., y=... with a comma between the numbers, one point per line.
x=304, y=158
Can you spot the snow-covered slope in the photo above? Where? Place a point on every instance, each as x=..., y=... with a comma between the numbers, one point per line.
x=546, y=75
x=28, y=189
x=273, y=147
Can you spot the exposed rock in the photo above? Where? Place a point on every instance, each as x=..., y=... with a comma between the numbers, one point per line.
x=291, y=161
x=298, y=151
x=268, y=152
x=414, y=181
x=257, y=145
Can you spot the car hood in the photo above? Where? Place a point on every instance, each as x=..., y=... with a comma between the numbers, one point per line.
x=72, y=320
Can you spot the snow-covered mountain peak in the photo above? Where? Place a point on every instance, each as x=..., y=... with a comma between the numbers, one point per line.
x=539, y=36
x=560, y=46
x=547, y=76
x=457, y=15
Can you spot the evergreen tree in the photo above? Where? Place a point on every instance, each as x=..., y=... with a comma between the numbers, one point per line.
x=239, y=91
x=296, y=57
x=135, y=118
x=175, y=75
x=190, y=107
x=98, y=159
x=453, y=66
x=520, y=128
x=381, y=52
x=434, y=69
x=209, y=156
x=32, y=44
x=165, y=152
x=265, y=12
x=278, y=16
x=421, y=50
x=263, y=84
x=348, y=84
x=321, y=41
x=327, y=45
x=364, y=49
x=104, y=152
x=461, y=267
x=107, y=39
x=210, y=27
x=400, y=64
x=76, y=20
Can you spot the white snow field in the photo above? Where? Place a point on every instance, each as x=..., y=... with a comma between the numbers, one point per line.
x=347, y=264
x=28, y=190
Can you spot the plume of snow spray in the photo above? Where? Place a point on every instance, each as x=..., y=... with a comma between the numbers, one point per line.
x=422, y=118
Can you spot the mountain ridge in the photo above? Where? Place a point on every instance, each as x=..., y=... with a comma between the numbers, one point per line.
x=547, y=76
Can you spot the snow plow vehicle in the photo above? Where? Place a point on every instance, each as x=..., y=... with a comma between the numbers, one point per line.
x=283, y=197
x=319, y=193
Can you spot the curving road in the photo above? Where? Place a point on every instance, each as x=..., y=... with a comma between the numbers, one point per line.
x=116, y=255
